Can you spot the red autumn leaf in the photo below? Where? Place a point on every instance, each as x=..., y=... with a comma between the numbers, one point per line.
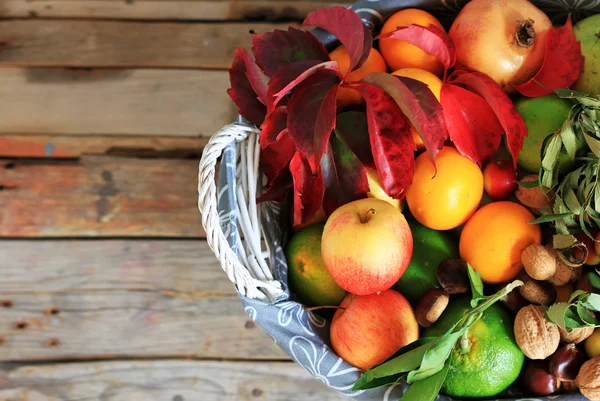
x=291, y=75
x=348, y=27
x=344, y=175
x=562, y=64
x=311, y=114
x=278, y=47
x=272, y=126
x=504, y=109
x=277, y=155
x=419, y=104
x=242, y=91
x=309, y=189
x=431, y=39
x=351, y=127
x=257, y=79
x=391, y=139
x=278, y=189
x=472, y=124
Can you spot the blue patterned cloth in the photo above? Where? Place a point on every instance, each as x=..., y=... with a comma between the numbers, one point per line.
x=304, y=335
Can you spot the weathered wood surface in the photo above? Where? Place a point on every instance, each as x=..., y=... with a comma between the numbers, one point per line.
x=64, y=146
x=82, y=300
x=167, y=380
x=71, y=43
x=186, y=10
x=114, y=101
x=99, y=196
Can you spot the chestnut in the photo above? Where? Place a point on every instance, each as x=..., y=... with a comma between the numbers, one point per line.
x=431, y=306
x=538, y=380
x=513, y=301
x=566, y=362
x=569, y=386
x=453, y=276
x=537, y=292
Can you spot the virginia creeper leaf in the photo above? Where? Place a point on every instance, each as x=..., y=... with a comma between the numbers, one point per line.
x=392, y=144
x=431, y=39
x=505, y=110
x=309, y=189
x=272, y=126
x=277, y=155
x=279, y=187
x=419, y=104
x=291, y=75
x=562, y=63
x=472, y=124
x=348, y=27
x=311, y=115
x=344, y=175
x=278, y=47
x=242, y=91
x=351, y=127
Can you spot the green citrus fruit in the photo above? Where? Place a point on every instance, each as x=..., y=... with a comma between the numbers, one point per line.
x=543, y=116
x=492, y=361
x=430, y=248
x=587, y=32
x=308, y=277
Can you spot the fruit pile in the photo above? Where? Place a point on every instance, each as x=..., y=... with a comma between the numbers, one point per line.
x=444, y=188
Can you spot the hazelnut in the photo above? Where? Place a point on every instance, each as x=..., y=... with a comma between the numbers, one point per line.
x=564, y=274
x=453, y=276
x=536, y=336
x=537, y=292
x=588, y=379
x=431, y=306
x=539, y=262
x=534, y=198
x=576, y=335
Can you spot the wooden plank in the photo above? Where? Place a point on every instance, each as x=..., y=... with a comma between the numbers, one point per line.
x=112, y=101
x=48, y=266
x=70, y=43
x=168, y=380
x=64, y=146
x=99, y=196
x=74, y=300
x=184, y=10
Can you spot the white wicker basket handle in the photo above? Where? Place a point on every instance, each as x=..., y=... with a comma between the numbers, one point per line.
x=246, y=282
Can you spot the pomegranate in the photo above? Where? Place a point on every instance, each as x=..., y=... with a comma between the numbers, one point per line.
x=504, y=39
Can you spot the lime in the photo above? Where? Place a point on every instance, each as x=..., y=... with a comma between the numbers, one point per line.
x=308, y=277
x=493, y=360
x=430, y=247
x=543, y=116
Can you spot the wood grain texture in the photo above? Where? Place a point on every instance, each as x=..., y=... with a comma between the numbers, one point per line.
x=99, y=196
x=114, y=102
x=64, y=146
x=70, y=43
x=168, y=380
x=184, y=10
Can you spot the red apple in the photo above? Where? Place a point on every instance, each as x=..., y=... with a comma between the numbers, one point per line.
x=366, y=246
x=368, y=329
x=593, y=258
x=499, y=179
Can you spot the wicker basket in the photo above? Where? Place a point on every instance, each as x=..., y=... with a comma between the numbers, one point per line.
x=248, y=239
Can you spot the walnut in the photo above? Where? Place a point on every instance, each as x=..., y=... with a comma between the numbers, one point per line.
x=536, y=336
x=588, y=379
x=576, y=335
x=539, y=262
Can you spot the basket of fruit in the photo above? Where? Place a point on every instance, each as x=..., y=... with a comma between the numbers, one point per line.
x=409, y=204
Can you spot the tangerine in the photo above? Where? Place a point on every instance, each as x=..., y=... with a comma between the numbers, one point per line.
x=400, y=54
x=374, y=63
x=446, y=198
x=434, y=84
x=494, y=238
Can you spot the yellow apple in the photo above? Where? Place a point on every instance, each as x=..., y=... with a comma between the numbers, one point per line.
x=366, y=246
x=376, y=190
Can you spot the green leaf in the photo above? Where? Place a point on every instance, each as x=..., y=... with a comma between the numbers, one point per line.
x=593, y=144
x=551, y=153
x=548, y=218
x=577, y=294
x=410, y=358
x=529, y=184
x=585, y=316
x=352, y=129
x=594, y=280
x=435, y=358
x=427, y=389
x=476, y=286
x=556, y=314
x=569, y=139
x=572, y=320
x=591, y=301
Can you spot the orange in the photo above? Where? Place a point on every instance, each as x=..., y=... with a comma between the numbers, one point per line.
x=494, y=238
x=446, y=199
x=435, y=85
x=374, y=63
x=400, y=54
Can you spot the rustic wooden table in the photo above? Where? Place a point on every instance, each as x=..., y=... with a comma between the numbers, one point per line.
x=108, y=291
